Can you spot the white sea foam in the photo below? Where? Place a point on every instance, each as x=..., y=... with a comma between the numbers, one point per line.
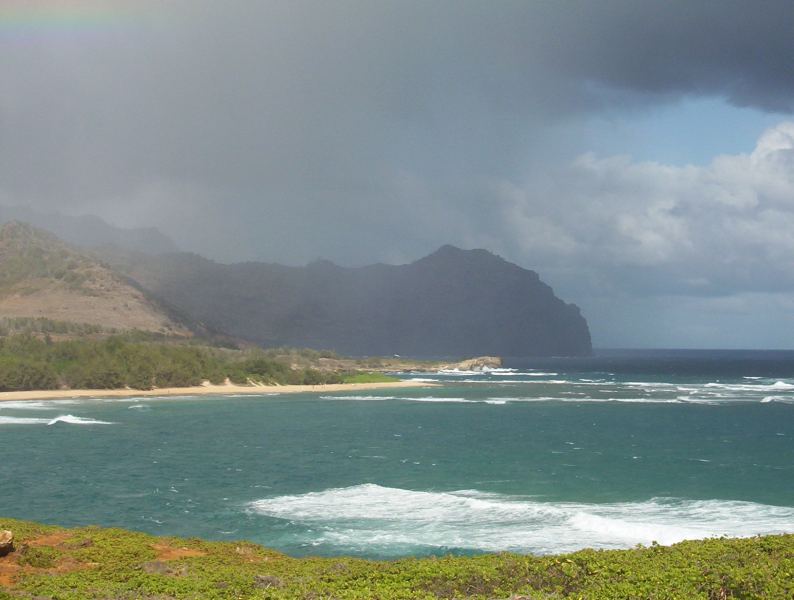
x=635, y=400
x=72, y=420
x=575, y=400
x=495, y=382
x=782, y=385
x=522, y=399
x=403, y=398
x=358, y=398
x=593, y=390
x=24, y=405
x=649, y=384
x=783, y=399
x=34, y=404
x=750, y=387
x=458, y=372
x=514, y=373
x=439, y=399
x=22, y=421
x=371, y=517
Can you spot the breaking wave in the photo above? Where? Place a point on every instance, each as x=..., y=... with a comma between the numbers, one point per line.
x=72, y=420
x=394, y=521
x=69, y=419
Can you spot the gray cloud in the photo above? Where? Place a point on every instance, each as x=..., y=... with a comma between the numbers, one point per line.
x=365, y=131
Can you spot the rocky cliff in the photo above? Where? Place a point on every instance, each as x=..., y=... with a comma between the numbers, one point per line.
x=451, y=303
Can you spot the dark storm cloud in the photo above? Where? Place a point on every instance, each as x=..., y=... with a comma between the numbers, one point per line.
x=365, y=131
x=296, y=101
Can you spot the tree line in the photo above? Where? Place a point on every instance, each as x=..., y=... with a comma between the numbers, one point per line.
x=28, y=362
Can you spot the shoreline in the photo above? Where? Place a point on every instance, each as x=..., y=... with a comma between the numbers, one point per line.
x=207, y=390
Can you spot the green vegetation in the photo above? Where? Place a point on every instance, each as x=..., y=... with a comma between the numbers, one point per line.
x=89, y=562
x=43, y=326
x=368, y=378
x=31, y=363
x=300, y=354
x=42, y=557
x=28, y=254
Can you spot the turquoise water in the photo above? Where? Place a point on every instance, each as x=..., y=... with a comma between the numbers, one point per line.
x=548, y=457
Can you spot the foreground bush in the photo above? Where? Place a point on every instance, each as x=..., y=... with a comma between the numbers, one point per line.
x=86, y=563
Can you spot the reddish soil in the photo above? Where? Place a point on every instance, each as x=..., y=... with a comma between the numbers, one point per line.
x=10, y=569
x=166, y=552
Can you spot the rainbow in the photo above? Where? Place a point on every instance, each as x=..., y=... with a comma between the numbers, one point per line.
x=22, y=17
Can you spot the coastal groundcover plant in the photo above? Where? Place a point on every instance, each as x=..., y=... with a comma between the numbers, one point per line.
x=95, y=563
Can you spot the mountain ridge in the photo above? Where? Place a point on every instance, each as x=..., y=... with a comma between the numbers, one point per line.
x=90, y=231
x=43, y=277
x=453, y=302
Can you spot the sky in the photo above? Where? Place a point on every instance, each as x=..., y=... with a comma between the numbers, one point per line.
x=638, y=155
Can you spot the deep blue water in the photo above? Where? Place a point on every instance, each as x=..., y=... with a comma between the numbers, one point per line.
x=545, y=456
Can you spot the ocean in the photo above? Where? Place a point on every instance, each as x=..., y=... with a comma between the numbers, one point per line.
x=542, y=456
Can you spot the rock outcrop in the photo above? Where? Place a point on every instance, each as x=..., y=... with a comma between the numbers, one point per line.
x=480, y=363
x=6, y=542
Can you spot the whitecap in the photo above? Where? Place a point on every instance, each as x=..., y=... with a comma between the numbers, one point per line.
x=357, y=398
x=22, y=421
x=782, y=385
x=749, y=387
x=576, y=400
x=403, y=398
x=35, y=404
x=24, y=405
x=438, y=399
x=72, y=420
x=514, y=373
x=782, y=399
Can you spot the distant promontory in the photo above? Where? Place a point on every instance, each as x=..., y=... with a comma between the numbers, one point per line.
x=451, y=303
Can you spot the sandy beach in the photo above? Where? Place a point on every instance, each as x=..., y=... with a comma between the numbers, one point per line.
x=207, y=390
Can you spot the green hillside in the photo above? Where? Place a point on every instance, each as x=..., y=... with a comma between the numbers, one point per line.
x=45, y=279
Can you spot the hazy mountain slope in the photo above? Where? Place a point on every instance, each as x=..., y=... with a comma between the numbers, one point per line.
x=453, y=302
x=42, y=277
x=89, y=231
